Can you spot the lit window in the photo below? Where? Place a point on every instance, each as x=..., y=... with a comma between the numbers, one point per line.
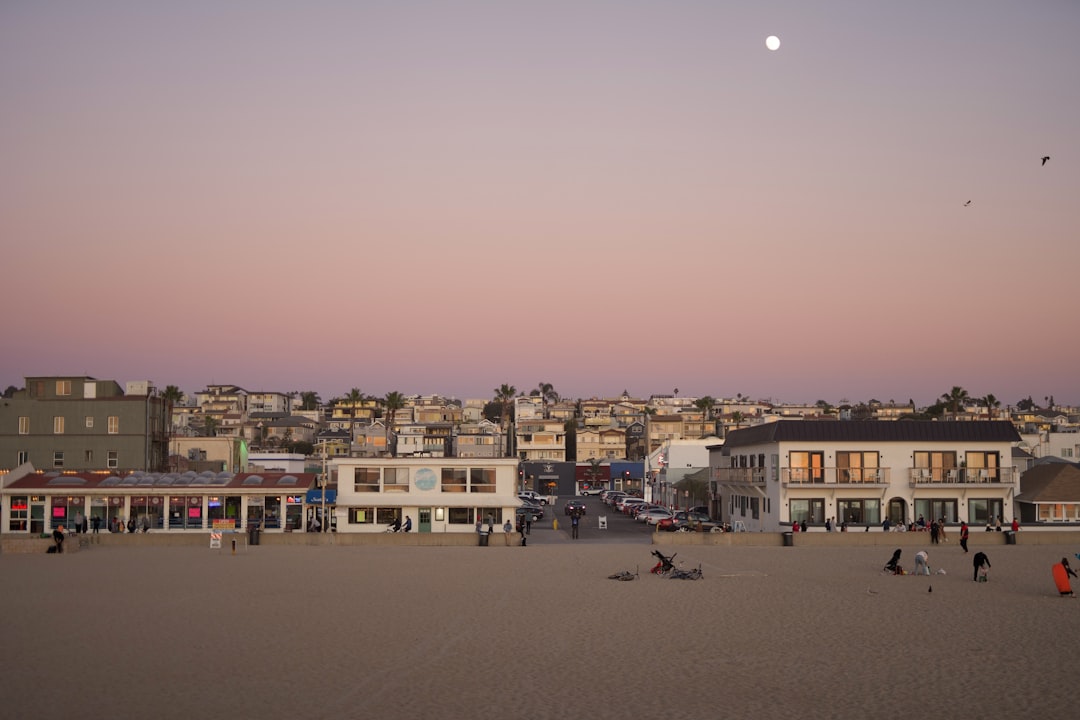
x=58, y=425
x=114, y=424
x=24, y=425
x=63, y=387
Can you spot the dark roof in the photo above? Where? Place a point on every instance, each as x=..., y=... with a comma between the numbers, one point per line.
x=1055, y=483
x=873, y=431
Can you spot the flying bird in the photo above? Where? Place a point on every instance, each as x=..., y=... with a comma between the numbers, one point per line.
x=1045, y=158
x=967, y=203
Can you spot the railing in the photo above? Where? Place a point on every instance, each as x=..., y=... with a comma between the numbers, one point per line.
x=753, y=476
x=961, y=476
x=835, y=476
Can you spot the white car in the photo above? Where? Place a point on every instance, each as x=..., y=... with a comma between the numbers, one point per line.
x=654, y=515
x=532, y=496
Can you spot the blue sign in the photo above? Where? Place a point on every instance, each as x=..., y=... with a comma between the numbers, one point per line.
x=315, y=497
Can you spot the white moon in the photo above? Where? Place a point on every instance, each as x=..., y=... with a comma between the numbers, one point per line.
x=772, y=42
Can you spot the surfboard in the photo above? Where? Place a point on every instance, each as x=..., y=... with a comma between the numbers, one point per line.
x=1061, y=579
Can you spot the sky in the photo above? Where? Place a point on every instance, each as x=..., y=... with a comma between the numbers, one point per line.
x=443, y=196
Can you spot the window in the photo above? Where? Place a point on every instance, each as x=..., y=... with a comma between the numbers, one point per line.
x=24, y=457
x=482, y=480
x=24, y=425
x=395, y=479
x=936, y=509
x=88, y=456
x=114, y=424
x=63, y=387
x=981, y=466
x=361, y=516
x=366, y=480
x=856, y=467
x=812, y=510
x=58, y=459
x=460, y=516
x=89, y=421
x=58, y=425
x=17, y=519
x=807, y=467
x=859, y=512
x=982, y=511
x=936, y=463
x=113, y=460
x=453, y=480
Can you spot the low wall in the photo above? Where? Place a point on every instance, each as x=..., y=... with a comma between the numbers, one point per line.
x=30, y=545
x=27, y=544
x=864, y=539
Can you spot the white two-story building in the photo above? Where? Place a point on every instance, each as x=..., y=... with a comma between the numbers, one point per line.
x=860, y=473
x=443, y=494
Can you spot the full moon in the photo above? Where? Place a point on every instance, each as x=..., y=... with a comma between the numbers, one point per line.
x=772, y=42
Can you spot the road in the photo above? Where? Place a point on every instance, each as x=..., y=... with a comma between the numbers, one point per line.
x=620, y=528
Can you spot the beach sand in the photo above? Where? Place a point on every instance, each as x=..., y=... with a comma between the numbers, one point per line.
x=535, y=632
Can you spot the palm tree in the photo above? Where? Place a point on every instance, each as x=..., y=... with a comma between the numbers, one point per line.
x=393, y=401
x=210, y=426
x=955, y=399
x=309, y=400
x=354, y=398
x=504, y=395
x=992, y=404
x=171, y=395
x=705, y=405
x=547, y=392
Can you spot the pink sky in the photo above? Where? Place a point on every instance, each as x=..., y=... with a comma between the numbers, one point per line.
x=441, y=197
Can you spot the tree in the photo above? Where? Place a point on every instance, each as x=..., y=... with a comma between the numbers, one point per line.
x=393, y=402
x=10, y=391
x=354, y=398
x=504, y=396
x=992, y=404
x=705, y=405
x=547, y=392
x=309, y=400
x=210, y=425
x=170, y=395
x=955, y=399
x=303, y=447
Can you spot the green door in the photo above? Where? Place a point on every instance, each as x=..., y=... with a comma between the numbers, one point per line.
x=425, y=520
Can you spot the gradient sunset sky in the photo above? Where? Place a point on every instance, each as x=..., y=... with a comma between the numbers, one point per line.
x=606, y=195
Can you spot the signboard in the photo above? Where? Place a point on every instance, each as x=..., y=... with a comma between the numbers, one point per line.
x=314, y=497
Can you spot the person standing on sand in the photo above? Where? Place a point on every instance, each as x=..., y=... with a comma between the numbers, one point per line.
x=963, y=535
x=978, y=562
x=575, y=520
x=933, y=532
x=58, y=538
x=941, y=530
x=507, y=529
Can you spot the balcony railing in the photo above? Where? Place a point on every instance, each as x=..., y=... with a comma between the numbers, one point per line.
x=961, y=476
x=835, y=476
x=753, y=476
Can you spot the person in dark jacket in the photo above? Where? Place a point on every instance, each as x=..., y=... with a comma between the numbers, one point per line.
x=58, y=538
x=978, y=562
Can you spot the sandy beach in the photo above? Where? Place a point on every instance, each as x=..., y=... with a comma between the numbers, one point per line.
x=535, y=632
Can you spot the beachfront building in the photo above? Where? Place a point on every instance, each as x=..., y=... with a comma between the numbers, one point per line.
x=438, y=494
x=36, y=501
x=76, y=422
x=860, y=473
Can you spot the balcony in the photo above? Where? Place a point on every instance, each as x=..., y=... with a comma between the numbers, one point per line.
x=961, y=476
x=835, y=476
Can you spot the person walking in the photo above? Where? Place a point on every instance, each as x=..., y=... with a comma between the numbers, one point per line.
x=978, y=562
x=963, y=535
x=934, y=529
x=575, y=521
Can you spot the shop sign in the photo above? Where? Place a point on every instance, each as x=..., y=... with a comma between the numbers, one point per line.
x=314, y=497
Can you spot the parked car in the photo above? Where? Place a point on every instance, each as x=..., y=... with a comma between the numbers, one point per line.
x=594, y=490
x=627, y=505
x=573, y=506
x=653, y=516
x=533, y=512
x=533, y=497
x=684, y=520
x=612, y=496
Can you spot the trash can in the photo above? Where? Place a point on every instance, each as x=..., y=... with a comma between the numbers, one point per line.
x=253, y=535
x=1010, y=537
x=484, y=538
x=789, y=539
